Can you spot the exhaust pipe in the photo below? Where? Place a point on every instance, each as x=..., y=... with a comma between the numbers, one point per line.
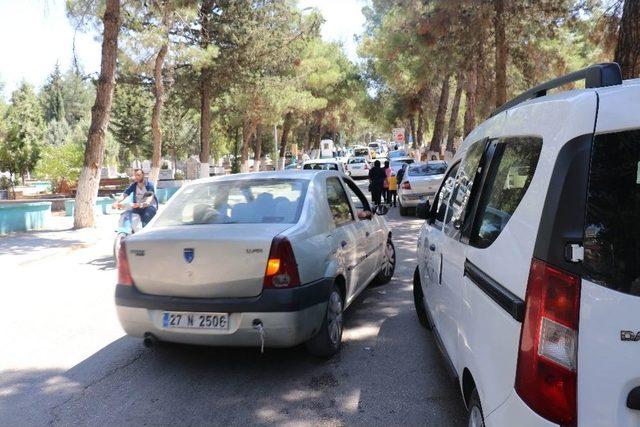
x=149, y=340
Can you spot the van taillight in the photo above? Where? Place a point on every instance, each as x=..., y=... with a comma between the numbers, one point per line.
x=124, y=272
x=546, y=376
x=282, y=269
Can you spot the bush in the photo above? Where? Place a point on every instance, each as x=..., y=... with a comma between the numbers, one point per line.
x=60, y=162
x=179, y=176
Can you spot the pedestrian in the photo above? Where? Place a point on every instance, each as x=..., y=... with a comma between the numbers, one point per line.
x=400, y=174
x=387, y=174
x=376, y=182
x=433, y=157
x=393, y=190
x=146, y=207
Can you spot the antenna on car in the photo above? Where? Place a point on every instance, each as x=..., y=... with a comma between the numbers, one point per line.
x=598, y=75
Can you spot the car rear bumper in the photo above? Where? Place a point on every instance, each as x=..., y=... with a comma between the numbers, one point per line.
x=411, y=200
x=358, y=173
x=515, y=412
x=289, y=316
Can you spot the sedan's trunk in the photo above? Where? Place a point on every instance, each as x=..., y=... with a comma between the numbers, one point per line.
x=227, y=260
x=425, y=184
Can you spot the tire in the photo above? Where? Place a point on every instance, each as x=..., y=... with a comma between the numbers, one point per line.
x=326, y=342
x=475, y=417
x=388, y=265
x=418, y=301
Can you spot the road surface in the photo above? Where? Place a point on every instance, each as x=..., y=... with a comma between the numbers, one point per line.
x=64, y=359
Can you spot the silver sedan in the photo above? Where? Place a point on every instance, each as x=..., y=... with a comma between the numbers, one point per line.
x=257, y=259
x=420, y=181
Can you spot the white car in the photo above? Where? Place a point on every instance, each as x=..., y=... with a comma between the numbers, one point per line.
x=257, y=259
x=324, y=164
x=419, y=182
x=357, y=167
x=529, y=261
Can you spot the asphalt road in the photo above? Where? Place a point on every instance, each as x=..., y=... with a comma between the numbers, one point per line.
x=64, y=359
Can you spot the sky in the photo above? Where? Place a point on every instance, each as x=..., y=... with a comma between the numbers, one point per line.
x=35, y=34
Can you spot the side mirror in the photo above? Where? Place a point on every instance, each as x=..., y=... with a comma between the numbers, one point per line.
x=381, y=210
x=423, y=210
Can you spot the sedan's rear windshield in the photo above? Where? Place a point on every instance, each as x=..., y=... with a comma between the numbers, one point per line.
x=428, y=169
x=265, y=201
x=361, y=152
x=321, y=166
x=612, y=229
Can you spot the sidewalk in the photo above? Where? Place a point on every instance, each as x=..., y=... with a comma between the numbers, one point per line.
x=59, y=238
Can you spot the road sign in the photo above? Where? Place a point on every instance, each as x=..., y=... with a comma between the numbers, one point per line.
x=398, y=134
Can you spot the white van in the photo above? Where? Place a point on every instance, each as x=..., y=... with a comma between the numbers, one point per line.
x=529, y=261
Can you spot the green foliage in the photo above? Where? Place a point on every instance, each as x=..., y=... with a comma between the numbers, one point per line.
x=25, y=133
x=130, y=122
x=58, y=162
x=51, y=97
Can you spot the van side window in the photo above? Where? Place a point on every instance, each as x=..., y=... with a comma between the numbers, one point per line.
x=464, y=183
x=512, y=167
x=612, y=227
x=441, y=200
x=338, y=202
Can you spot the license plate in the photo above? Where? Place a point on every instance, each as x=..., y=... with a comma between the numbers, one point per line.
x=190, y=320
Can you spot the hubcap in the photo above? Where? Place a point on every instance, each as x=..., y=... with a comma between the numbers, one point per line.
x=334, y=316
x=475, y=418
x=389, y=260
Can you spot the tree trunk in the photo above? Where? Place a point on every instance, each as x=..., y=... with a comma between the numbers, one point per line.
x=501, y=53
x=455, y=108
x=470, y=95
x=155, y=114
x=257, y=158
x=412, y=129
x=417, y=143
x=89, y=181
x=205, y=91
x=628, y=48
x=438, y=127
x=286, y=127
x=247, y=133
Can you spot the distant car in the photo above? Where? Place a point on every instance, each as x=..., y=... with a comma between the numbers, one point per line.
x=324, y=164
x=420, y=181
x=361, y=152
x=268, y=258
x=357, y=167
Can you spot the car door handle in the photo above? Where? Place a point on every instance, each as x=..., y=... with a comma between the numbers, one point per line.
x=343, y=243
x=367, y=234
x=432, y=247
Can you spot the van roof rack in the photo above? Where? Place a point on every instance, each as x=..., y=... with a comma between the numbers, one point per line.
x=598, y=75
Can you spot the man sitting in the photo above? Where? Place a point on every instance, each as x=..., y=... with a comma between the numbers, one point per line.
x=146, y=207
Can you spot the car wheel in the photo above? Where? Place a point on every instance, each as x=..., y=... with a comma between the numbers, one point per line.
x=476, y=418
x=388, y=264
x=418, y=301
x=327, y=341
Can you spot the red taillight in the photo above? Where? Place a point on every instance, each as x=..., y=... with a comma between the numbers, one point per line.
x=366, y=166
x=406, y=185
x=547, y=362
x=124, y=273
x=282, y=269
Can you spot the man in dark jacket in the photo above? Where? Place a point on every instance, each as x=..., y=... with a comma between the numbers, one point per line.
x=376, y=182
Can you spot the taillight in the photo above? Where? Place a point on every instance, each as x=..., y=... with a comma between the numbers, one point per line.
x=366, y=166
x=282, y=269
x=124, y=272
x=406, y=185
x=548, y=358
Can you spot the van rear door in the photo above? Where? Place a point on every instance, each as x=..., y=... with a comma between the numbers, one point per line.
x=609, y=328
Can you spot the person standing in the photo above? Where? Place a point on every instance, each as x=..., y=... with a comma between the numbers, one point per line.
x=387, y=174
x=377, y=177
x=393, y=190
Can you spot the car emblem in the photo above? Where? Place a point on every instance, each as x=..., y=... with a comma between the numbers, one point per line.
x=189, y=254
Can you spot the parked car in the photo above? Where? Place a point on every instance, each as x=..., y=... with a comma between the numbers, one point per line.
x=528, y=262
x=324, y=164
x=250, y=259
x=420, y=182
x=357, y=167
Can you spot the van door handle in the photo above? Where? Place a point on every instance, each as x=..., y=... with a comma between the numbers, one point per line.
x=432, y=247
x=633, y=400
x=343, y=243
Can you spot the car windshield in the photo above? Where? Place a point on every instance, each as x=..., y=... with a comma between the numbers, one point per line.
x=321, y=166
x=428, y=169
x=361, y=152
x=266, y=201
